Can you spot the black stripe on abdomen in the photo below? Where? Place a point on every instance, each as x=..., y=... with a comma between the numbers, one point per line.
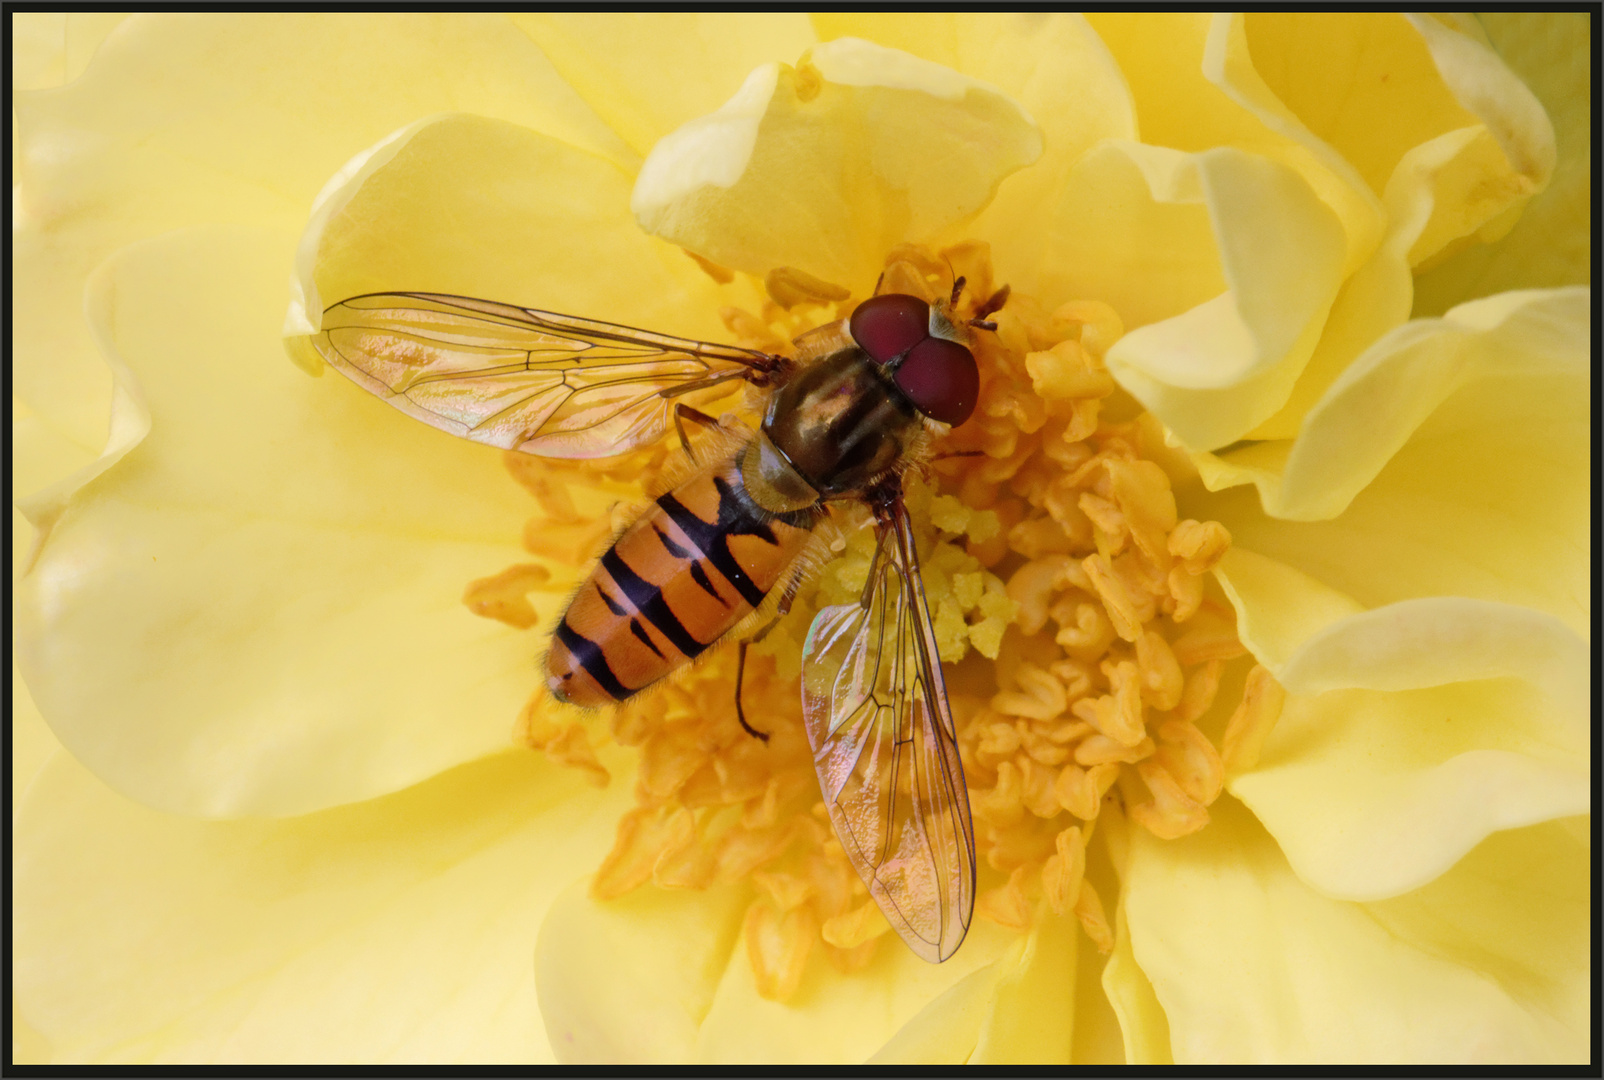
x=590, y=657
x=699, y=576
x=646, y=639
x=713, y=539
x=648, y=600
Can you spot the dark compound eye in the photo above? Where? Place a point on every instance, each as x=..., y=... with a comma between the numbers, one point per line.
x=942, y=379
x=888, y=326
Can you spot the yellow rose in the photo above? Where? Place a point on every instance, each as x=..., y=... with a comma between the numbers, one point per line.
x=1341, y=814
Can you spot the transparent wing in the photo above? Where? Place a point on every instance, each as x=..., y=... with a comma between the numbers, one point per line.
x=521, y=379
x=886, y=750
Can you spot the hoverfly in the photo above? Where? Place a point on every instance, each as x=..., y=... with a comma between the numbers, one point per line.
x=844, y=418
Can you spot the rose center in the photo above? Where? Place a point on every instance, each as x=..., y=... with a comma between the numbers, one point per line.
x=1056, y=523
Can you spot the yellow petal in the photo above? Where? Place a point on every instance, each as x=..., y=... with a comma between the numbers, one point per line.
x=1550, y=244
x=1142, y=1022
x=945, y=1031
x=542, y=223
x=258, y=610
x=187, y=119
x=28, y=1047
x=49, y=48
x=1252, y=966
x=1517, y=908
x=663, y=976
x=41, y=454
x=646, y=74
x=1196, y=86
x=1376, y=86
x=824, y=167
x=399, y=930
x=1412, y=732
x=1371, y=411
x=1278, y=607
x=632, y=979
x=1222, y=265
x=1485, y=196
x=1368, y=83
x=1487, y=498
x=32, y=742
x=846, y=1018
x=1051, y=63
x=1032, y=1013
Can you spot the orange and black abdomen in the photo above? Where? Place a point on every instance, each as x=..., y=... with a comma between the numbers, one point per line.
x=695, y=564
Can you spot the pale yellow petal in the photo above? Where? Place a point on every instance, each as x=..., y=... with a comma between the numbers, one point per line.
x=1487, y=497
x=1222, y=265
x=1278, y=607
x=1379, y=402
x=1040, y=1002
x=258, y=610
x=846, y=1018
x=542, y=224
x=1362, y=81
x=1054, y=65
x=934, y=35
x=1517, y=908
x=1411, y=732
x=631, y=980
x=397, y=931
x=1356, y=104
x=1196, y=87
x=645, y=74
x=1142, y=1021
x=1551, y=243
x=1252, y=966
x=32, y=742
x=28, y=1047
x=1369, y=84
x=945, y=1031
x=1376, y=86
x=232, y=118
x=49, y=48
x=1032, y=1015
x=824, y=167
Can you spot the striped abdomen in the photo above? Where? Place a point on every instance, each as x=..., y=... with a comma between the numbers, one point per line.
x=696, y=563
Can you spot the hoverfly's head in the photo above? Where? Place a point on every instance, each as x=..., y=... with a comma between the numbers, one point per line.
x=925, y=351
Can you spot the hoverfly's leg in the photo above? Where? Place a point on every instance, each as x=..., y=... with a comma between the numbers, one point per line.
x=683, y=412
x=781, y=610
x=993, y=303
x=740, y=677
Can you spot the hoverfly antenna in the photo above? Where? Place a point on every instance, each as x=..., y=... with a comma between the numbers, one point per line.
x=982, y=324
x=957, y=289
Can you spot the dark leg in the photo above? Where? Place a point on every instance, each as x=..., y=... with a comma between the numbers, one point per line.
x=683, y=412
x=994, y=302
x=780, y=611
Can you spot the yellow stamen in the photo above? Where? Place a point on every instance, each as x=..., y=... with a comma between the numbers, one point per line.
x=505, y=596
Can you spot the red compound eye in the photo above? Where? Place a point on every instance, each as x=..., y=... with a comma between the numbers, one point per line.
x=888, y=326
x=942, y=379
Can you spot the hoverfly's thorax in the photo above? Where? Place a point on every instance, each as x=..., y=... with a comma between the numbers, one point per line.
x=771, y=480
x=841, y=423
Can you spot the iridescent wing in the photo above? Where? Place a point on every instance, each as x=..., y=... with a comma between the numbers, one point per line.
x=887, y=753
x=521, y=379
